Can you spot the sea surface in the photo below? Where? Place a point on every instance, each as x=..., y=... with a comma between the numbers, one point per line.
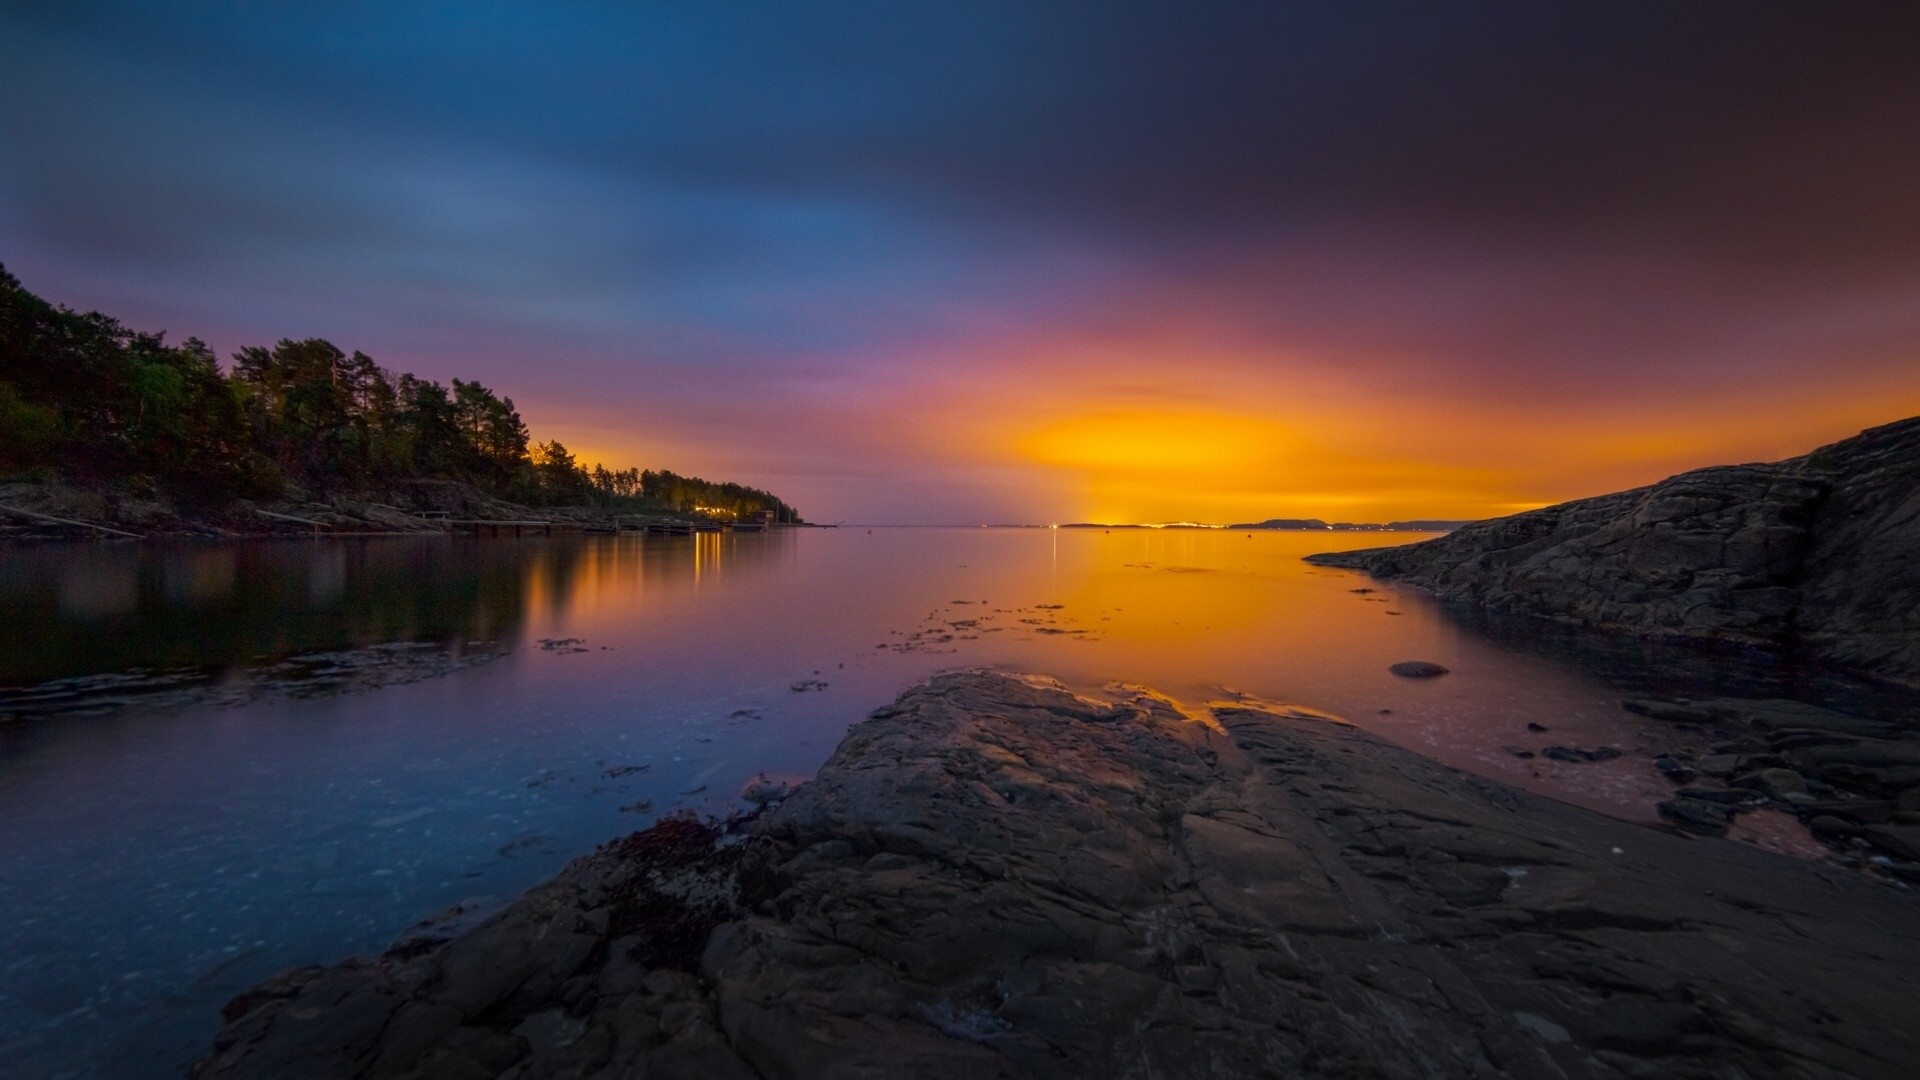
x=218, y=760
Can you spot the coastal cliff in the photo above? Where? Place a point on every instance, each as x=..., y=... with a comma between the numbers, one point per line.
x=994, y=877
x=1819, y=553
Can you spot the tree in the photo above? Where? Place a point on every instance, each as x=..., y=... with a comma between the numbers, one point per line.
x=99, y=401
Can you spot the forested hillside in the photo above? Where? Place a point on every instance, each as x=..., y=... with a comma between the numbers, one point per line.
x=88, y=399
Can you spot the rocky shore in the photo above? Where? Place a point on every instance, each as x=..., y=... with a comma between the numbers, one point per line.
x=994, y=877
x=1819, y=554
x=63, y=511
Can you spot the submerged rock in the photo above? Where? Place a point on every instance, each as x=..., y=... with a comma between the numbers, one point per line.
x=1821, y=765
x=1672, y=769
x=1002, y=879
x=1814, y=552
x=1577, y=754
x=1417, y=669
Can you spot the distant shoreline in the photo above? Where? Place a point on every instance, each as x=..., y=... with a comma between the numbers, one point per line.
x=56, y=511
x=1406, y=527
x=1294, y=525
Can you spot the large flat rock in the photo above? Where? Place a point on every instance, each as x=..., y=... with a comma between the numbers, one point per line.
x=1820, y=552
x=997, y=878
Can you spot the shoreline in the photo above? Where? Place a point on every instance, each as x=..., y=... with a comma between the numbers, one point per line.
x=1811, y=555
x=995, y=876
x=44, y=513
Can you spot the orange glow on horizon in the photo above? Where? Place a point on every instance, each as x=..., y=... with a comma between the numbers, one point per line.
x=1059, y=432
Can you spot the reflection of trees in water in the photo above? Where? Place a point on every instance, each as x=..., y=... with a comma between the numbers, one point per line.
x=1639, y=666
x=670, y=563
x=83, y=610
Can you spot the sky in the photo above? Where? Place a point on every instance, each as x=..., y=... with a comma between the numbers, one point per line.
x=1021, y=261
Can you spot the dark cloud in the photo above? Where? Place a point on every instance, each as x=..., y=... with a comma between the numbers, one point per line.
x=1508, y=198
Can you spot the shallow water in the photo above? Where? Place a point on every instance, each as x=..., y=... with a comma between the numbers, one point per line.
x=242, y=804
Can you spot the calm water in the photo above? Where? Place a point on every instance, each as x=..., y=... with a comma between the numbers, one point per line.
x=175, y=835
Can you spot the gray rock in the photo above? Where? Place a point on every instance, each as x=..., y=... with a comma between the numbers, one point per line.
x=1815, y=552
x=1721, y=764
x=1862, y=811
x=1901, y=840
x=762, y=790
x=1417, y=669
x=1672, y=769
x=1001, y=879
x=1828, y=827
x=1779, y=783
x=1576, y=754
x=1722, y=796
x=445, y=926
x=1706, y=817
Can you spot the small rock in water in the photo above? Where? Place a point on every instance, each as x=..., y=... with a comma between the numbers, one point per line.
x=1417, y=669
x=1518, y=751
x=1671, y=768
x=1531, y=726
x=1721, y=796
x=1576, y=754
x=805, y=685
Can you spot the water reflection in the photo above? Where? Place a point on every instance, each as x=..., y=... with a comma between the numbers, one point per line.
x=80, y=611
x=1691, y=669
x=158, y=860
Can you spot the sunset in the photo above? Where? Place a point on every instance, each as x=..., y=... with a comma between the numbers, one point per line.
x=1138, y=541
x=1466, y=260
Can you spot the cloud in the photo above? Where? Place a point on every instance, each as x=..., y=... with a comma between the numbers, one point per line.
x=828, y=243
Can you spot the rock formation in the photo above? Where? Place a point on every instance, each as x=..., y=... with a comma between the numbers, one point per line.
x=996, y=878
x=1819, y=553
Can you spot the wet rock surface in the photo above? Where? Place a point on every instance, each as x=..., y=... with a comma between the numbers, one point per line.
x=1836, y=772
x=995, y=878
x=1819, y=553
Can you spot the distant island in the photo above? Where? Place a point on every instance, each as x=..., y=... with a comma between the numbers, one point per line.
x=1313, y=524
x=1295, y=524
x=109, y=424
